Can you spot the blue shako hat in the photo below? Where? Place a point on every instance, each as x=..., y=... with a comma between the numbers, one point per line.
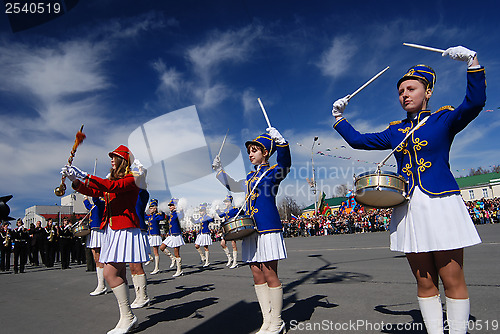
x=265, y=141
x=153, y=202
x=228, y=198
x=203, y=207
x=422, y=72
x=173, y=201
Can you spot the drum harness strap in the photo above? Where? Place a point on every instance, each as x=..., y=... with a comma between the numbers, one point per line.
x=250, y=193
x=382, y=163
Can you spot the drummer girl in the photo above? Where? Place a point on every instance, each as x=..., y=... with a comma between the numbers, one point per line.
x=153, y=221
x=434, y=226
x=94, y=240
x=203, y=238
x=227, y=213
x=123, y=241
x=262, y=250
x=174, y=239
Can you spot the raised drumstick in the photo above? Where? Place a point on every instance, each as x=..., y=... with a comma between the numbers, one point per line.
x=428, y=48
x=368, y=82
x=264, y=112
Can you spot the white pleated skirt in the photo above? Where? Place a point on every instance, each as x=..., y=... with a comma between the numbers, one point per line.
x=263, y=247
x=426, y=224
x=203, y=239
x=94, y=240
x=128, y=245
x=154, y=240
x=173, y=241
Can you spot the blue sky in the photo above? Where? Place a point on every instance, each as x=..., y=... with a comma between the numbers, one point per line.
x=114, y=65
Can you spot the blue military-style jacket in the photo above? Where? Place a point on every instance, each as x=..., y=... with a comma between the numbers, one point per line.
x=261, y=204
x=204, y=221
x=424, y=158
x=227, y=213
x=140, y=207
x=174, y=223
x=153, y=222
x=96, y=211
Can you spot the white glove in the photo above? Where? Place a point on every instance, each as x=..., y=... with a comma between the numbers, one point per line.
x=64, y=171
x=276, y=135
x=216, y=164
x=339, y=106
x=138, y=168
x=460, y=53
x=73, y=173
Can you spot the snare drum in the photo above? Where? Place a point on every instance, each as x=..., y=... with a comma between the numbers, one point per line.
x=80, y=229
x=238, y=227
x=380, y=189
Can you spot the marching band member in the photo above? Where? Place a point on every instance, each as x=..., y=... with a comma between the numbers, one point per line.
x=174, y=239
x=50, y=243
x=66, y=236
x=203, y=238
x=262, y=250
x=433, y=228
x=229, y=212
x=21, y=237
x=153, y=220
x=94, y=240
x=5, y=246
x=123, y=240
x=136, y=269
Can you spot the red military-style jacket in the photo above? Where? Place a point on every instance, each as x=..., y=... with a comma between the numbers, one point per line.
x=120, y=197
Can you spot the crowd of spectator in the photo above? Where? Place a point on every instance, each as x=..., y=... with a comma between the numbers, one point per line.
x=483, y=211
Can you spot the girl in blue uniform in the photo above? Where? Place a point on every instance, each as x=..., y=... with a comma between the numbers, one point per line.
x=94, y=241
x=204, y=237
x=433, y=227
x=263, y=249
x=227, y=213
x=153, y=220
x=174, y=239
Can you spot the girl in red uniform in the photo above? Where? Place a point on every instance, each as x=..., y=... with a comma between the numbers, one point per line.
x=122, y=242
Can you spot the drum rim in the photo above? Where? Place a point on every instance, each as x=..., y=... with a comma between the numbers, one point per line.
x=381, y=173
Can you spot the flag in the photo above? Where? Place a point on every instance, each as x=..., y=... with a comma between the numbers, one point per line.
x=294, y=217
x=321, y=205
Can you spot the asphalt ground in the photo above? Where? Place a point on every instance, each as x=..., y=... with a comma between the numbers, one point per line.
x=332, y=284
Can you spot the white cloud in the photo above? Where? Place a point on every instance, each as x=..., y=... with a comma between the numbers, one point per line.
x=337, y=59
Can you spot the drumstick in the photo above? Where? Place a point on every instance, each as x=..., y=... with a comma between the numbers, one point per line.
x=424, y=47
x=95, y=165
x=223, y=142
x=367, y=83
x=264, y=111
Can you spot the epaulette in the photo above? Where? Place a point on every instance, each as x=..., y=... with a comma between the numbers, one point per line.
x=451, y=108
x=395, y=123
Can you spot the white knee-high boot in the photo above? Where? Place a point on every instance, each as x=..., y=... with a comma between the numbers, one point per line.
x=432, y=312
x=235, y=259
x=178, y=261
x=141, y=291
x=157, y=266
x=101, y=284
x=167, y=252
x=207, y=263
x=229, y=259
x=200, y=251
x=127, y=319
x=457, y=314
x=262, y=292
x=277, y=325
